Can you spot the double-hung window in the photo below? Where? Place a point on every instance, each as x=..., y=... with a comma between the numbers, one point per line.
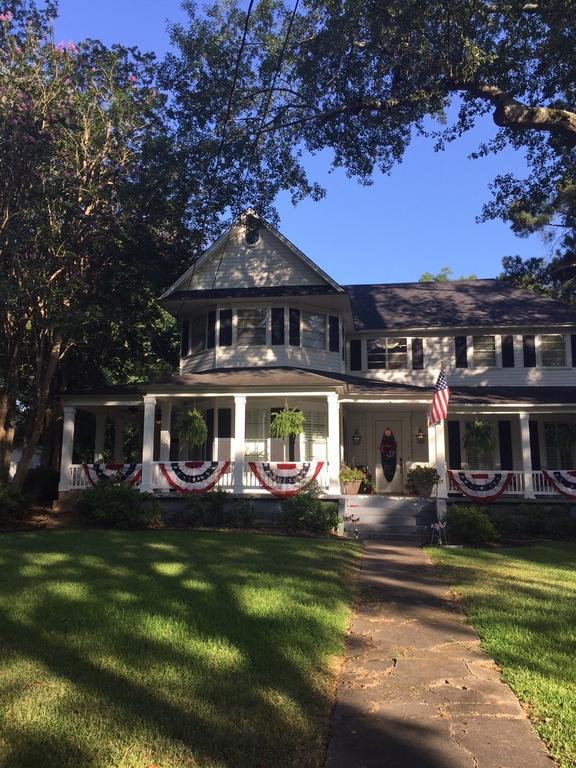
x=197, y=335
x=313, y=330
x=251, y=326
x=387, y=353
x=553, y=350
x=484, y=351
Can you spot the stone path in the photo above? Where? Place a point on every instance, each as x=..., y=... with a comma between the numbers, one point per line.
x=416, y=690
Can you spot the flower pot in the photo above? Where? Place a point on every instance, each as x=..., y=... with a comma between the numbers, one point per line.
x=351, y=489
x=424, y=490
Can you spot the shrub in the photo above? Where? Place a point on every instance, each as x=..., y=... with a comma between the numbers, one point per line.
x=13, y=504
x=114, y=504
x=193, y=512
x=216, y=514
x=41, y=485
x=306, y=512
x=243, y=514
x=469, y=525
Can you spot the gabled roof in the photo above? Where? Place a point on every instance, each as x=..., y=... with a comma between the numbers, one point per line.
x=453, y=304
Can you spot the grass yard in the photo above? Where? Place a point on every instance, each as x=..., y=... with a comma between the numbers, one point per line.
x=169, y=649
x=522, y=602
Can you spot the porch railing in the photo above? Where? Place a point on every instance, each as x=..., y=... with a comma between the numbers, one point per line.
x=517, y=486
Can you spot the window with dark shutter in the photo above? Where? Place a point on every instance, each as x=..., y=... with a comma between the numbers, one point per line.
x=185, y=339
x=505, y=441
x=277, y=326
x=225, y=337
x=507, y=351
x=333, y=334
x=294, y=327
x=460, y=352
x=211, y=331
x=529, y=348
x=355, y=355
x=417, y=354
x=454, y=451
x=534, y=445
x=225, y=422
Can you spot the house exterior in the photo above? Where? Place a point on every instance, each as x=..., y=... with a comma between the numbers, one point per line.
x=263, y=327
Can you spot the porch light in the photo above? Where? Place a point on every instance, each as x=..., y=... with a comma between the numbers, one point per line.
x=420, y=436
x=356, y=437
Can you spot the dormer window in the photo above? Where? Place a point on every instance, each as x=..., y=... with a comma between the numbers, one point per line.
x=251, y=326
x=313, y=330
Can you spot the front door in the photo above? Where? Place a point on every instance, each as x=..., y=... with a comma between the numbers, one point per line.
x=389, y=462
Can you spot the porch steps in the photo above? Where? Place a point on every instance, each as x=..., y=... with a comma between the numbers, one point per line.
x=387, y=517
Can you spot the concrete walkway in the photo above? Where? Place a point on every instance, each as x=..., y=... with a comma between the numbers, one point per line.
x=416, y=689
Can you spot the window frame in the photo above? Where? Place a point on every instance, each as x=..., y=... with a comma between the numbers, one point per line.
x=541, y=352
x=475, y=353
x=304, y=330
x=386, y=367
x=265, y=326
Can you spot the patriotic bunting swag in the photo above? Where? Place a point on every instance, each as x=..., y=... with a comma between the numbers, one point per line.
x=193, y=476
x=285, y=479
x=481, y=486
x=126, y=473
x=563, y=480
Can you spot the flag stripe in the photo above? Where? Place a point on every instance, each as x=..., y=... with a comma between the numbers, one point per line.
x=439, y=406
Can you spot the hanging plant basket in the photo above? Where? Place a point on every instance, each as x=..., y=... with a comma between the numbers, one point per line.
x=289, y=422
x=480, y=439
x=191, y=427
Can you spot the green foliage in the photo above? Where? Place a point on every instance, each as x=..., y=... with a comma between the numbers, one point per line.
x=287, y=423
x=443, y=276
x=217, y=499
x=479, y=440
x=114, y=504
x=41, y=485
x=191, y=427
x=532, y=520
x=194, y=510
x=306, y=513
x=421, y=480
x=351, y=474
x=243, y=514
x=467, y=524
x=13, y=504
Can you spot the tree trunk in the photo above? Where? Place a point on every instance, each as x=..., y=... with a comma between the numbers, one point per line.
x=7, y=441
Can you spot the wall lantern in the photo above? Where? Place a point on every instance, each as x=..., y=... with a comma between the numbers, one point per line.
x=356, y=437
x=420, y=436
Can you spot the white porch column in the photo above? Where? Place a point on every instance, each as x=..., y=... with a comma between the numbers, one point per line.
x=99, y=439
x=526, y=455
x=119, y=431
x=437, y=456
x=333, y=443
x=148, y=443
x=67, y=446
x=165, y=430
x=239, y=445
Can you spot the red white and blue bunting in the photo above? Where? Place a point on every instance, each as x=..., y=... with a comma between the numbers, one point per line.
x=193, y=476
x=564, y=480
x=126, y=473
x=285, y=479
x=480, y=486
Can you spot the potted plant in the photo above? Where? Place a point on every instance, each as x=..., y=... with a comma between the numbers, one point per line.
x=191, y=427
x=421, y=480
x=480, y=442
x=289, y=422
x=351, y=479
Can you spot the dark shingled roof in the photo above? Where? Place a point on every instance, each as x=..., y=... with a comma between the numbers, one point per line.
x=458, y=303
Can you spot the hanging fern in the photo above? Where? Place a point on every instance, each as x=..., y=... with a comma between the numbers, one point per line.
x=480, y=438
x=287, y=423
x=191, y=426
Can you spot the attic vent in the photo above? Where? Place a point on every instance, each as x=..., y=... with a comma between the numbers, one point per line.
x=252, y=235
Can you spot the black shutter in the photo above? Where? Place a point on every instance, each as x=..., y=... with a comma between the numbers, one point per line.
x=185, y=339
x=225, y=422
x=209, y=416
x=460, y=352
x=225, y=339
x=277, y=326
x=529, y=351
x=355, y=355
x=417, y=354
x=534, y=445
x=507, y=351
x=573, y=345
x=505, y=440
x=211, y=331
x=454, y=451
x=294, y=328
x=333, y=334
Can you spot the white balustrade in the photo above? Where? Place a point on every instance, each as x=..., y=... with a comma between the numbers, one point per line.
x=516, y=487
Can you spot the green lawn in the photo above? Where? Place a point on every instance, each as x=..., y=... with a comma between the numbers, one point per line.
x=522, y=602
x=171, y=649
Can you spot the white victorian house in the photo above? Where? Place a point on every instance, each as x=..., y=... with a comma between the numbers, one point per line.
x=264, y=327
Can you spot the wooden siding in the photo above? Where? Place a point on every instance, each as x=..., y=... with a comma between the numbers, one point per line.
x=269, y=262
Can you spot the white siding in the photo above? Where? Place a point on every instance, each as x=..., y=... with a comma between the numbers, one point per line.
x=269, y=262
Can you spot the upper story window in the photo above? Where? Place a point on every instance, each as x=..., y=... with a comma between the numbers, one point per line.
x=197, y=335
x=553, y=350
x=484, y=351
x=313, y=330
x=251, y=326
x=387, y=353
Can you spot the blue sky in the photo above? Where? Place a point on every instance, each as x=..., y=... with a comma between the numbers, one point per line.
x=420, y=218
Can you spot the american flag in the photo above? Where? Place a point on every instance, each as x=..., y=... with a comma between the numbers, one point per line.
x=439, y=405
